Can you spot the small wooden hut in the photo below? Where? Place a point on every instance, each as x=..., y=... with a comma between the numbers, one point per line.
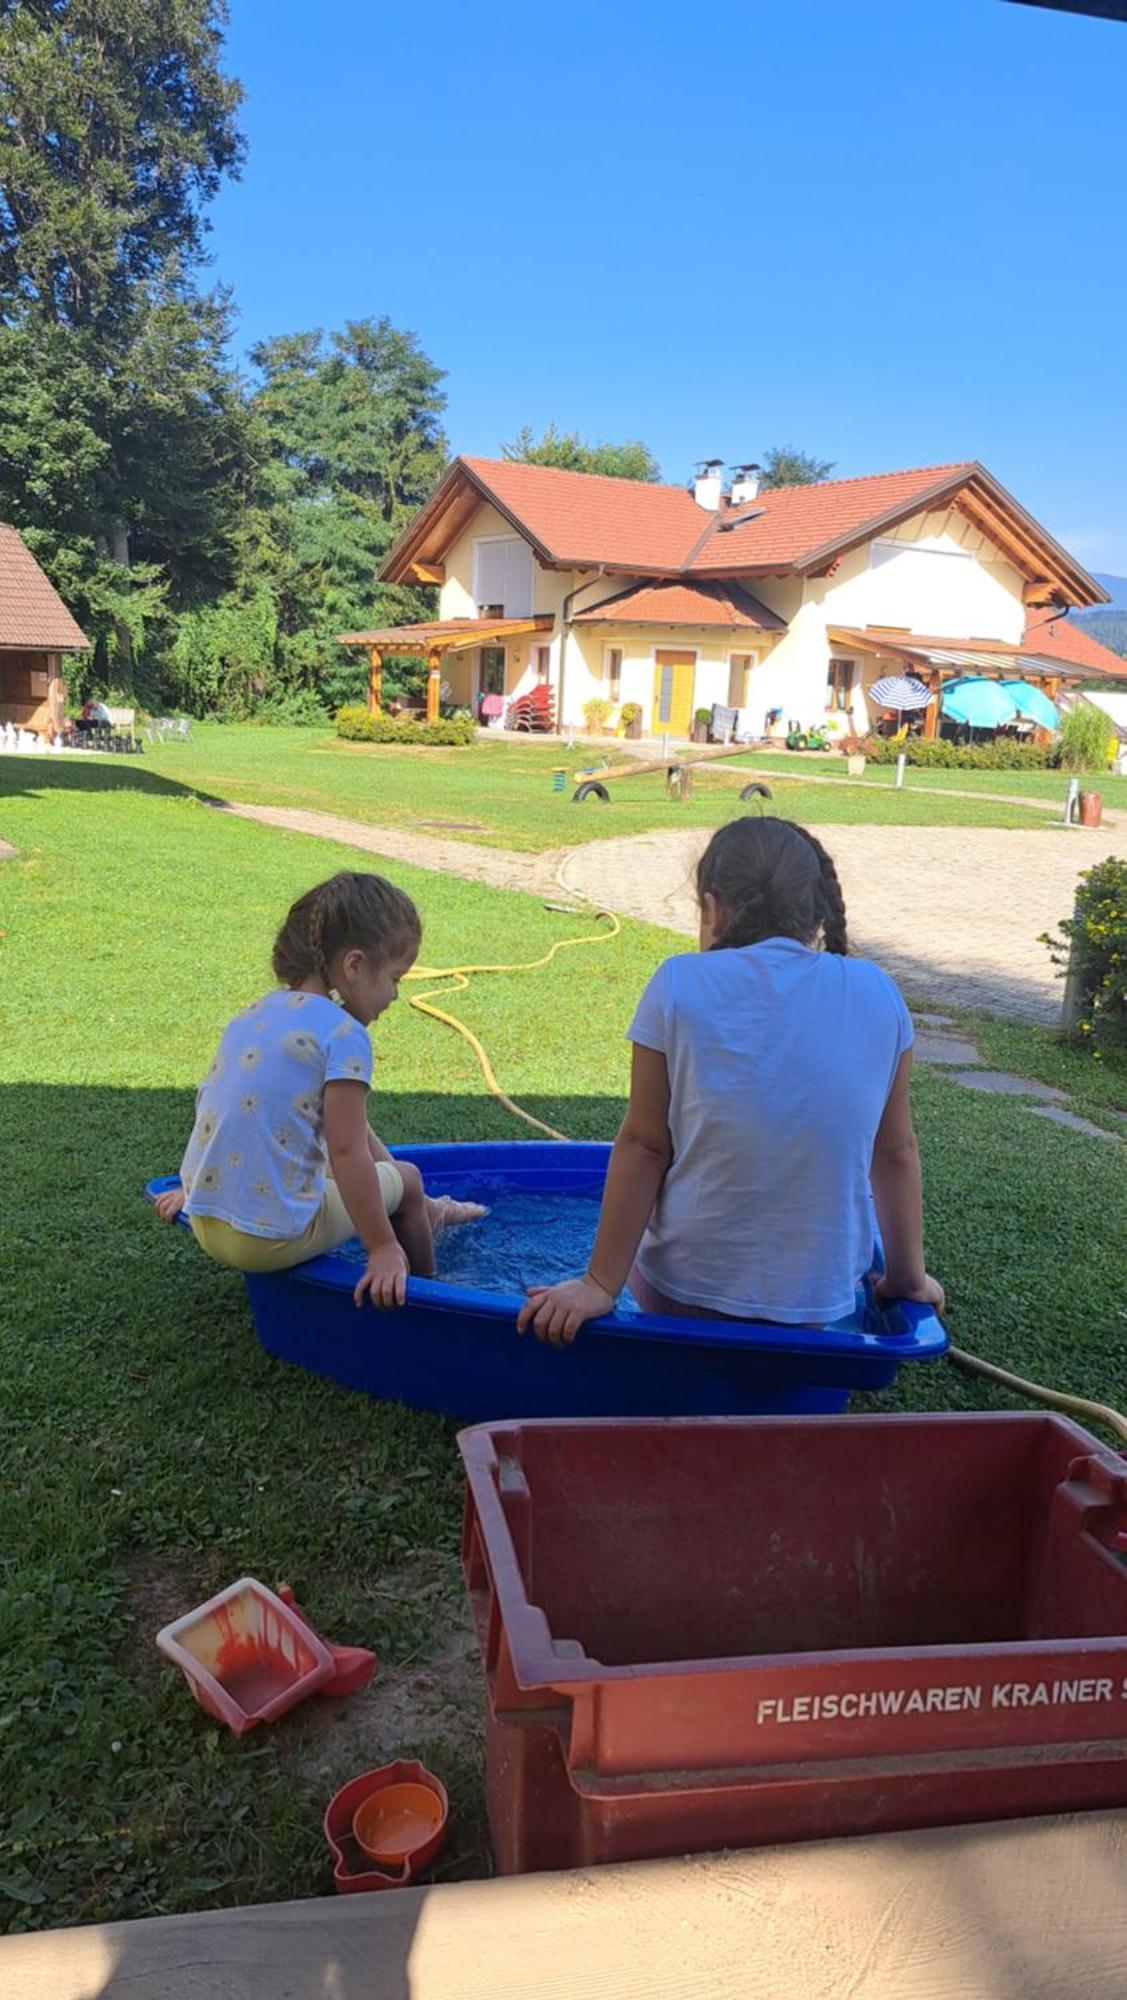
x=36, y=629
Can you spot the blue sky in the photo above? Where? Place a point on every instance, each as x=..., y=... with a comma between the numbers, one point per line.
x=888, y=231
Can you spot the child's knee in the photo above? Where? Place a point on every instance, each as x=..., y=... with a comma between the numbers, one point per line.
x=413, y=1190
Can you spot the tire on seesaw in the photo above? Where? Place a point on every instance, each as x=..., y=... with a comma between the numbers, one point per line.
x=756, y=792
x=590, y=790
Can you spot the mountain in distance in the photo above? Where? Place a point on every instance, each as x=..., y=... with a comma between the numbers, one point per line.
x=1108, y=622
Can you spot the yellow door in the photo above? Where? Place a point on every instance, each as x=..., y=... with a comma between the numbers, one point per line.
x=673, y=693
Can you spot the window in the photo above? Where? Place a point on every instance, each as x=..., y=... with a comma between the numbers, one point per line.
x=739, y=667
x=502, y=576
x=541, y=660
x=839, y=694
x=612, y=672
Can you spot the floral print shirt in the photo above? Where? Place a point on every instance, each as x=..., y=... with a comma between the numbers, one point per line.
x=257, y=1157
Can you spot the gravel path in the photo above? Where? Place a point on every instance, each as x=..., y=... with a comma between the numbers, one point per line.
x=497, y=866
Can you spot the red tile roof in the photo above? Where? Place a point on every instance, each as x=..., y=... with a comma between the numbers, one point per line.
x=787, y=525
x=582, y=518
x=32, y=614
x=1053, y=635
x=725, y=606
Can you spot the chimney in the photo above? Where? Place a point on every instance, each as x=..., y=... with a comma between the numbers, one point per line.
x=708, y=486
x=745, y=484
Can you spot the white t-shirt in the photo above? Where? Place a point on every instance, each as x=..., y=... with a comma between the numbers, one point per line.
x=780, y=1064
x=257, y=1156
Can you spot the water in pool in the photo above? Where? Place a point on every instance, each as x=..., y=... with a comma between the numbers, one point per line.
x=526, y=1238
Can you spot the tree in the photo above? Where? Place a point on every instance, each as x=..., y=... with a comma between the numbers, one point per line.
x=116, y=127
x=124, y=450
x=783, y=465
x=567, y=450
x=355, y=443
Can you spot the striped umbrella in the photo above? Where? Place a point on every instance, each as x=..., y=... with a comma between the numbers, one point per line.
x=901, y=692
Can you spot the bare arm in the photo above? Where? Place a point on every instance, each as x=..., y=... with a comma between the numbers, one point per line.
x=898, y=1195
x=639, y=1162
x=354, y=1170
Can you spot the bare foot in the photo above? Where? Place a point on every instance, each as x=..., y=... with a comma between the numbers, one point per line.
x=443, y=1212
x=169, y=1204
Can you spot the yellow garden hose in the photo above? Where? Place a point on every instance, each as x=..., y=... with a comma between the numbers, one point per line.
x=460, y=975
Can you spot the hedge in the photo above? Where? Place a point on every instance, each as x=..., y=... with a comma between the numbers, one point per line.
x=939, y=755
x=358, y=725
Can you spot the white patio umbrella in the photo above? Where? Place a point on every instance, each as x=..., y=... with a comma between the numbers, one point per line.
x=900, y=692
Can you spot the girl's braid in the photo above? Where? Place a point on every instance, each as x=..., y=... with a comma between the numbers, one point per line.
x=833, y=913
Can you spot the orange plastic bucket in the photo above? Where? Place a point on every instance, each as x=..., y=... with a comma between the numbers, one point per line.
x=393, y=1822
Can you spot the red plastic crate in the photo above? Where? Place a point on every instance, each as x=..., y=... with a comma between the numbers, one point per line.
x=722, y=1632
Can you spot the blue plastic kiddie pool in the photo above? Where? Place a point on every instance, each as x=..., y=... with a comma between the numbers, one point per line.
x=454, y=1348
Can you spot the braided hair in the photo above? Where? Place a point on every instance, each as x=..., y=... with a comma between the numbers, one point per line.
x=772, y=878
x=349, y=912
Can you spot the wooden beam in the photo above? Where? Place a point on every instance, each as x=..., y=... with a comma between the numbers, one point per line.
x=931, y=712
x=375, y=681
x=434, y=681
x=429, y=572
x=1031, y=1906
x=1024, y=551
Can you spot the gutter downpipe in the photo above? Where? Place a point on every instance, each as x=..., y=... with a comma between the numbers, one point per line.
x=565, y=628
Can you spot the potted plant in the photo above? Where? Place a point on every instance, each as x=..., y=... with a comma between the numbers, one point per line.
x=631, y=719
x=596, y=715
x=854, y=749
x=701, y=719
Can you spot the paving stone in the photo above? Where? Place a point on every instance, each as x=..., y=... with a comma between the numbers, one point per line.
x=1073, y=1123
x=999, y=1083
x=954, y=1050
x=942, y=1022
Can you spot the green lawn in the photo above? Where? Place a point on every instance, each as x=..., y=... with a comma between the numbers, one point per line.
x=149, y=1451
x=501, y=793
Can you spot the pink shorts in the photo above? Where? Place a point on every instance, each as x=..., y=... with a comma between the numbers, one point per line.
x=653, y=1301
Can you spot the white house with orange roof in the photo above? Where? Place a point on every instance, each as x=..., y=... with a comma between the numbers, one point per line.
x=786, y=604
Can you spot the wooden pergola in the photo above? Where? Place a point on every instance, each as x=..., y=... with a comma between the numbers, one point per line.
x=433, y=643
x=936, y=661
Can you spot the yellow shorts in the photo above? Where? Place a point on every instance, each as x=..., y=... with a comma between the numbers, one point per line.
x=331, y=1225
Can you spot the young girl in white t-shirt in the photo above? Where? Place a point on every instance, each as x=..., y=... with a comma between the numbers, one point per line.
x=768, y=1113
x=281, y=1165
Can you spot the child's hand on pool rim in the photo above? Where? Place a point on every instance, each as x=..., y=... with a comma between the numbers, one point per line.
x=556, y=1312
x=385, y=1276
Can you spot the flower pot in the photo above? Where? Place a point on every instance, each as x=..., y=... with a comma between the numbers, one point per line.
x=700, y=732
x=1091, y=808
x=855, y=766
x=634, y=729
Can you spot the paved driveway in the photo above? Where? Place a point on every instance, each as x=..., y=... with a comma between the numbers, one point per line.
x=954, y=913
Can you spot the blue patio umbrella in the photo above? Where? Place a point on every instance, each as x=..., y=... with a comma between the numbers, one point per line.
x=980, y=704
x=1033, y=702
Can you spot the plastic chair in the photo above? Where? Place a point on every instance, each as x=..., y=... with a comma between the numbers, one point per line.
x=534, y=711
